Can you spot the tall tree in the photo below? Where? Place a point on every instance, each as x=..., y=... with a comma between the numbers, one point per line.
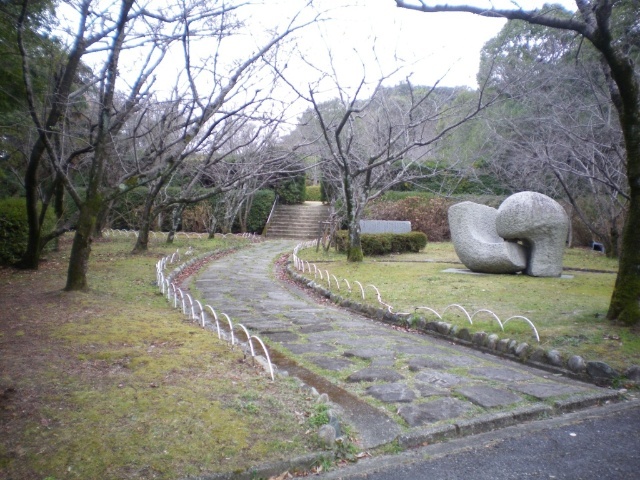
x=556, y=122
x=369, y=145
x=613, y=28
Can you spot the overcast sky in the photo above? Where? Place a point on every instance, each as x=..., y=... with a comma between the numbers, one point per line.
x=365, y=39
x=430, y=46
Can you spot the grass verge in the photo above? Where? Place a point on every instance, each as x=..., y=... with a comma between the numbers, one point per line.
x=569, y=313
x=112, y=383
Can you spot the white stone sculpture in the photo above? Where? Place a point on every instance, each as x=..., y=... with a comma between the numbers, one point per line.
x=542, y=225
x=477, y=243
x=527, y=232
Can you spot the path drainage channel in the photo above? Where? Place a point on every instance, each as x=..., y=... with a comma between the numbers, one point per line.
x=373, y=427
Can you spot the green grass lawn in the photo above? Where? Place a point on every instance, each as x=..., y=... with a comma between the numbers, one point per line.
x=569, y=313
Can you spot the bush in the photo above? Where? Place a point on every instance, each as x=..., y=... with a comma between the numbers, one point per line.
x=313, y=193
x=14, y=229
x=292, y=191
x=260, y=209
x=384, y=243
x=427, y=215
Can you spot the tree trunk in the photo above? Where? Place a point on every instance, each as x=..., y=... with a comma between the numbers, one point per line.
x=625, y=300
x=176, y=216
x=31, y=257
x=354, y=252
x=101, y=221
x=212, y=226
x=354, y=248
x=81, y=248
x=142, y=241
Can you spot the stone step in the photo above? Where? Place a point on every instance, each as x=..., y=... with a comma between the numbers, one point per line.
x=296, y=221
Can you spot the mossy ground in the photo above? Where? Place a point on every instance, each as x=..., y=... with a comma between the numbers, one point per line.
x=569, y=313
x=113, y=383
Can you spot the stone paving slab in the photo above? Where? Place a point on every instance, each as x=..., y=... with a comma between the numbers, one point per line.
x=392, y=393
x=433, y=382
x=434, y=411
x=328, y=363
x=546, y=390
x=368, y=353
x=303, y=348
x=489, y=397
x=374, y=374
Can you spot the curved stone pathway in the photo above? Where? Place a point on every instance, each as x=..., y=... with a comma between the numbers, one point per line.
x=404, y=386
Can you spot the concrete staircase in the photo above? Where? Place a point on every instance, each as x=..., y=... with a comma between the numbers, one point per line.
x=297, y=221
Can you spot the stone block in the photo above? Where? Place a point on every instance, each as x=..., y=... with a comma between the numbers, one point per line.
x=384, y=226
x=576, y=364
x=554, y=357
x=392, y=393
x=601, y=371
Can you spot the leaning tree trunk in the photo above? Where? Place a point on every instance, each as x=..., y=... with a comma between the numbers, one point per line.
x=81, y=248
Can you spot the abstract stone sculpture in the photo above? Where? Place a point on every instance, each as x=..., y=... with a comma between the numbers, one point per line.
x=485, y=239
x=542, y=224
x=477, y=243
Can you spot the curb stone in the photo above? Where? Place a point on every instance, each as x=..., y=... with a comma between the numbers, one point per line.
x=300, y=464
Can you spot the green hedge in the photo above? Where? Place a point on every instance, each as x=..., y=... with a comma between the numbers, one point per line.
x=14, y=229
x=313, y=193
x=291, y=191
x=260, y=209
x=384, y=243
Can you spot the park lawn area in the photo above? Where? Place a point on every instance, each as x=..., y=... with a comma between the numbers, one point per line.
x=113, y=383
x=569, y=313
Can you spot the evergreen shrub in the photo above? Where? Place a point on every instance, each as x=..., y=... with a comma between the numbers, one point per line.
x=313, y=193
x=292, y=190
x=260, y=209
x=14, y=229
x=384, y=243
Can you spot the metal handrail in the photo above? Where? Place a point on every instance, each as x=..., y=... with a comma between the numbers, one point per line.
x=273, y=208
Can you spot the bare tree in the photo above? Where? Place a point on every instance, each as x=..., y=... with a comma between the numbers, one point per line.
x=219, y=102
x=107, y=32
x=613, y=29
x=369, y=145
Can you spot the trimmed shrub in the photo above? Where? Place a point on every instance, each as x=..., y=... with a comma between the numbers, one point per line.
x=260, y=209
x=292, y=191
x=384, y=243
x=14, y=229
x=313, y=193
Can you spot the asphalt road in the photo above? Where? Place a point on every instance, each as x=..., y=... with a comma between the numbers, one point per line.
x=600, y=443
